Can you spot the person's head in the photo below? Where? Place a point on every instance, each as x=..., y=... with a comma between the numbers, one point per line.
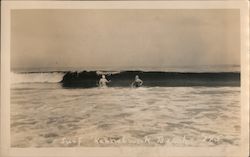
x=136, y=77
x=103, y=76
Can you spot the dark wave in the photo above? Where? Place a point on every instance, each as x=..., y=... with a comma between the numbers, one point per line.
x=166, y=79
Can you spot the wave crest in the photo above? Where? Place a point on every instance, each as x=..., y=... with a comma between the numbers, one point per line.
x=49, y=77
x=125, y=78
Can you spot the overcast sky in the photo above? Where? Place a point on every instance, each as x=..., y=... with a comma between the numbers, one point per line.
x=124, y=38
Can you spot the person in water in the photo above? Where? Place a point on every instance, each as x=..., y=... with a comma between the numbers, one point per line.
x=137, y=82
x=103, y=81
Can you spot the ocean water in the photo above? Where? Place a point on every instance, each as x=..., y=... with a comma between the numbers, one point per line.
x=46, y=114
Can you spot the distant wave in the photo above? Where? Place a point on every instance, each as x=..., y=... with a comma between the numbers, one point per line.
x=87, y=79
x=153, y=78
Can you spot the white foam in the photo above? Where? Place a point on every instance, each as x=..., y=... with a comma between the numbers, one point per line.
x=52, y=77
x=107, y=72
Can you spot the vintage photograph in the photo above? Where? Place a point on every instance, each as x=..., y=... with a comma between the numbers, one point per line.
x=125, y=77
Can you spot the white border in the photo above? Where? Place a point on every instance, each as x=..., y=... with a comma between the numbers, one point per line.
x=7, y=151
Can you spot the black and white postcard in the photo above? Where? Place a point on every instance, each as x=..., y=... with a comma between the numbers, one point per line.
x=124, y=78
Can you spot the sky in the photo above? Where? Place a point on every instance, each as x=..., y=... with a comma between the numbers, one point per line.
x=124, y=38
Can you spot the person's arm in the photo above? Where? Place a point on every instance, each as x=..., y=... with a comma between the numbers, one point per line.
x=141, y=82
x=132, y=84
x=107, y=81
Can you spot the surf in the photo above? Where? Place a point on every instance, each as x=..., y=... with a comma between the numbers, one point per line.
x=88, y=79
x=37, y=77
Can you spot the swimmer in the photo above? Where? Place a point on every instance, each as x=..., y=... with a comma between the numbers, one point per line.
x=137, y=82
x=103, y=81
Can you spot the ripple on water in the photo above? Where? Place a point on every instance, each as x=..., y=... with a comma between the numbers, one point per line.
x=40, y=118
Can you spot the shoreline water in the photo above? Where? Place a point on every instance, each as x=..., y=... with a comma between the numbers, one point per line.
x=204, y=108
x=45, y=113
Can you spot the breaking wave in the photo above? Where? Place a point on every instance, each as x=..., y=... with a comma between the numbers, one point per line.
x=124, y=78
x=152, y=78
x=41, y=77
